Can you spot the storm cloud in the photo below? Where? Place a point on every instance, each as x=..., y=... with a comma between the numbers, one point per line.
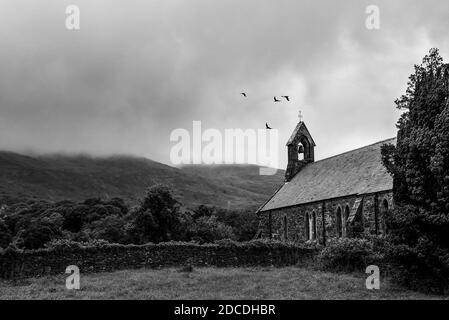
x=137, y=70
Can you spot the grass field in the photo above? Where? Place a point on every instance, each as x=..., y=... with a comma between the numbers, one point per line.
x=208, y=283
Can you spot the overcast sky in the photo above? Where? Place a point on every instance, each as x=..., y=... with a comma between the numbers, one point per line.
x=138, y=69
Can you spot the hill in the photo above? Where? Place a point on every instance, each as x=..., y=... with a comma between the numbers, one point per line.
x=58, y=177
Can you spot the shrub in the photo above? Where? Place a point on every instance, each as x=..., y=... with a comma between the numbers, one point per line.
x=209, y=229
x=348, y=255
x=423, y=267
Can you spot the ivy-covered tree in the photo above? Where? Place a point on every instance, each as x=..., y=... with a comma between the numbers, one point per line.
x=419, y=164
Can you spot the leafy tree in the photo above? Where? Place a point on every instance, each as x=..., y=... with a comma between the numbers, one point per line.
x=36, y=234
x=119, y=204
x=32, y=223
x=244, y=223
x=157, y=217
x=110, y=228
x=209, y=229
x=74, y=218
x=203, y=211
x=419, y=164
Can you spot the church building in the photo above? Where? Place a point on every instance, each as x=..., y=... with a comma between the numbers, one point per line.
x=341, y=196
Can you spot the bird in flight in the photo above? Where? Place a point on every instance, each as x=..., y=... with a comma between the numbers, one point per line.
x=266, y=126
x=243, y=94
x=286, y=98
x=276, y=99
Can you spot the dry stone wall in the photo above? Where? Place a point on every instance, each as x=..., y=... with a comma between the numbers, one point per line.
x=19, y=264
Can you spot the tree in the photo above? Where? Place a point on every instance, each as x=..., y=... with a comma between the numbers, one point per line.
x=74, y=218
x=244, y=223
x=5, y=234
x=37, y=233
x=110, y=228
x=157, y=217
x=209, y=229
x=419, y=164
x=203, y=211
x=420, y=161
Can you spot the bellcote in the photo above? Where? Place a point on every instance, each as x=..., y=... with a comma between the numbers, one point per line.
x=300, y=148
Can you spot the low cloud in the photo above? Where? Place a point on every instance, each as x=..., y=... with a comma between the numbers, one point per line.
x=139, y=69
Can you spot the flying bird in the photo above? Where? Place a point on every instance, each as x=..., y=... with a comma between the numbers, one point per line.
x=276, y=100
x=266, y=126
x=286, y=98
x=243, y=94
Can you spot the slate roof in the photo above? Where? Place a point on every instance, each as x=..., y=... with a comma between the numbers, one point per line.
x=354, y=172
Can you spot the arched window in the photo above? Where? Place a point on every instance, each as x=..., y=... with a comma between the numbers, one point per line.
x=307, y=226
x=385, y=205
x=301, y=151
x=338, y=223
x=384, y=216
x=285, y=228
x=307, y=149
x=346, y=213
x=345, y=220
x=313, y=226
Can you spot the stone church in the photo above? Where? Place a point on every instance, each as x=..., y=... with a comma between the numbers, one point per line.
x=341, y=196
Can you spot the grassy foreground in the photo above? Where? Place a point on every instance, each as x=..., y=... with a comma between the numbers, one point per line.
x=207, y=283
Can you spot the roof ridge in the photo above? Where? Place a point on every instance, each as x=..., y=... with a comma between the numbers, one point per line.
x=368, y=145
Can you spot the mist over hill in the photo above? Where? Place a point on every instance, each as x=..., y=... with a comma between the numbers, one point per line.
x=78, y=177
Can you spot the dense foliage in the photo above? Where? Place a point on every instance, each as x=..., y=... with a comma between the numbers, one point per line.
x=419, y=164
x=32, y=224
x=346, y=254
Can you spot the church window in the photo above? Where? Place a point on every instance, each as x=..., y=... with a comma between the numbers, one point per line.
x=301, y=151
x=313, y=226
x=384, y=215
x=285, y=228
x=338, y=223
x=307, y=226
x=345, y=219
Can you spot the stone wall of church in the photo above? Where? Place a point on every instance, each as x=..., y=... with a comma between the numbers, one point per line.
x=290, y=223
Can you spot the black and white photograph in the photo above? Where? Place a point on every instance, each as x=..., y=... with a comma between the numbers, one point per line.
x=230, y=157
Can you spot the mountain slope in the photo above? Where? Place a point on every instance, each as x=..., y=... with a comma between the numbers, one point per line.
x=57, y=177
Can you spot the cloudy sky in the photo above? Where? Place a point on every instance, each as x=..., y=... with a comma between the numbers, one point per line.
x=138, y=69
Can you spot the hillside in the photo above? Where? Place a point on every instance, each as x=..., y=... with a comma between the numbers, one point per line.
x=57, y=177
